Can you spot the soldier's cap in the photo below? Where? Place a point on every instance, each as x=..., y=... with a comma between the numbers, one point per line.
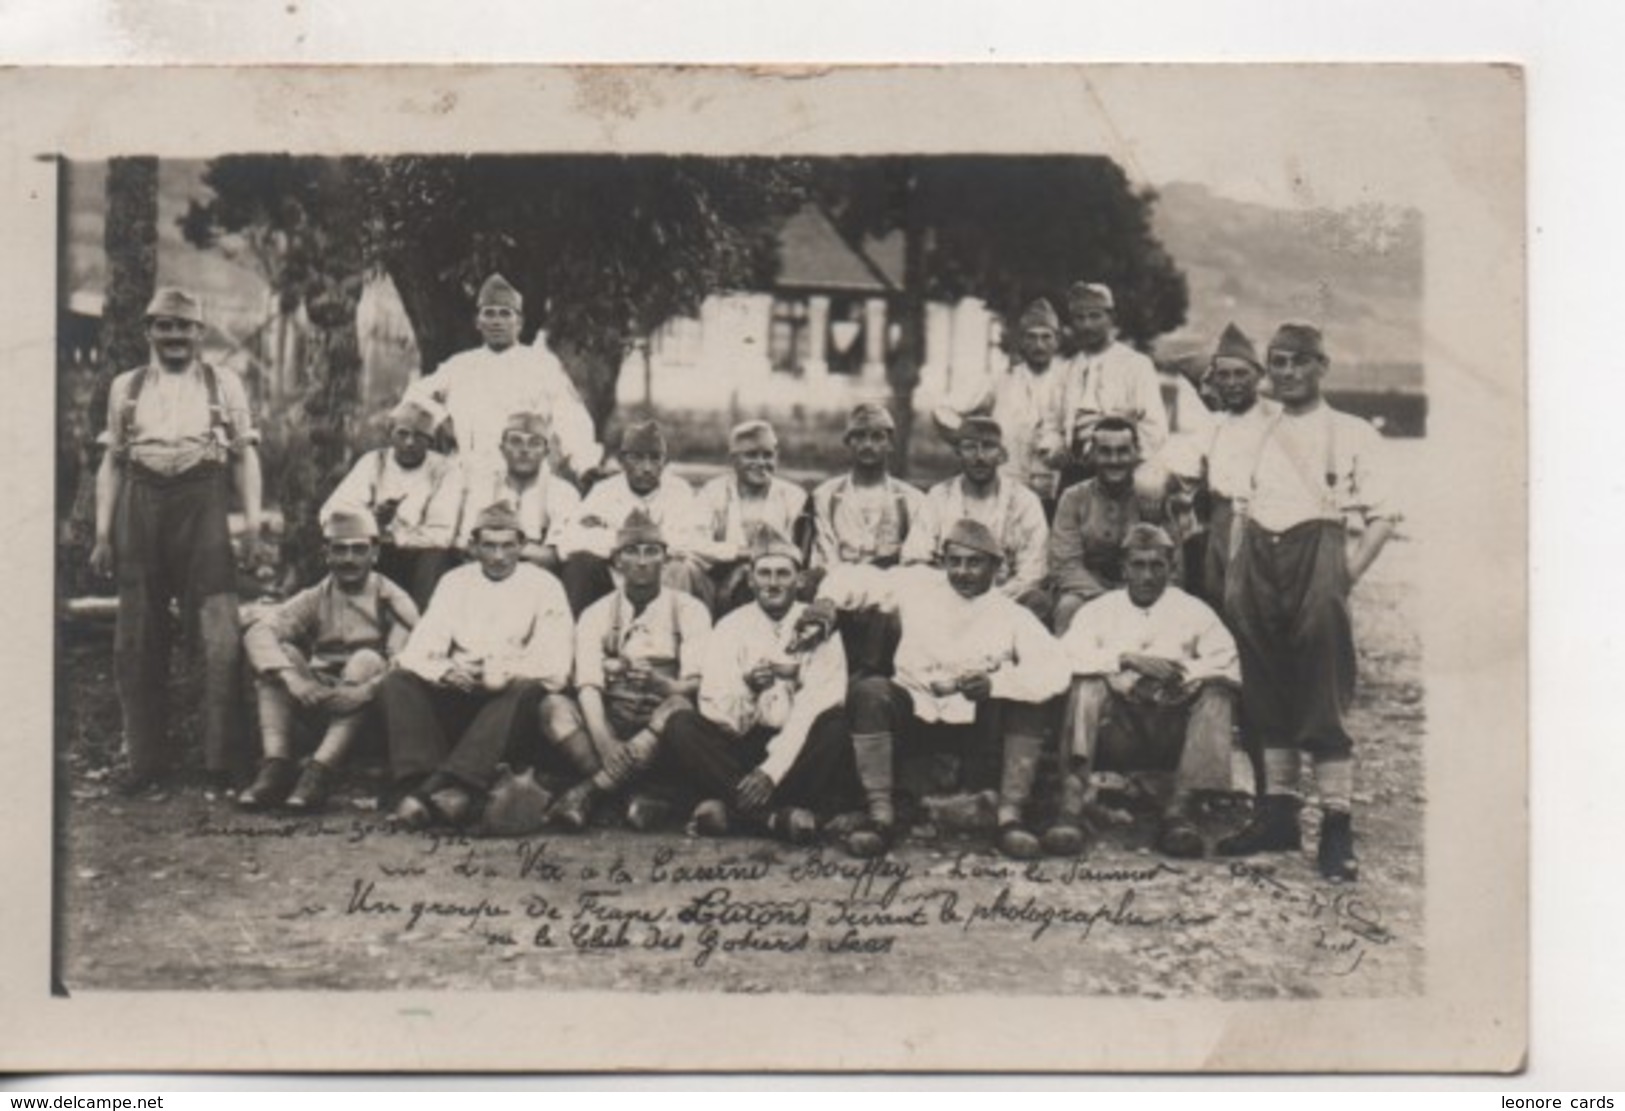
x=753, y=434
x=1146, y=536
x=497, y=517
x=1039, y=314
x=980, y=430
x=175, y=302
x=1234, y=344
x=498, y=293
x=638, y=528
x=350, y=524
x=767, y=543
x=1091, y=295
x=527, y=421
x=869, y=416
x=1304, y=339
x=644, y=437
x=414, y=417
x=973, y=535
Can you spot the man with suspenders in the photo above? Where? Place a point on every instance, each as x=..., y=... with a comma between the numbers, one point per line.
x=1287, y=598
x=180, y=438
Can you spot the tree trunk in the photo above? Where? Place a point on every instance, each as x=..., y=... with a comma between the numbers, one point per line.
x=442, y=320
x=131, y=242
x=903, y=365
x=595, y=369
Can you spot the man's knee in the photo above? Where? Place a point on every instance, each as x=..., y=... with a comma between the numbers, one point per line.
x=1066, y=608
x=559, y=717
x=363, y=666
x=663, y=713
x=869, y=704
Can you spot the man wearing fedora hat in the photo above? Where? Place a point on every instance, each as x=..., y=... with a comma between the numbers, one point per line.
x=180, y=442
x=415, y=495
x=318, y=659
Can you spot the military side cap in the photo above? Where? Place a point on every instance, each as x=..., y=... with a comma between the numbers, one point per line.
x=979, y=429
x=1305, y=339
x=973, y=535
x=350, y=524
x=1091, y=295
x=497, y=517
x=767, y=543
x=1039, y=314
x=753, y=433
x=175, y=302
x=638, y=528
x=1144, y=535
x=870, y=416
x=498, y=293
x=414, y=418
x=644, y=437
x=527, y=421
x=1234, y=344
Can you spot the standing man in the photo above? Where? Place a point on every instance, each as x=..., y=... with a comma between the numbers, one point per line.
x=1106, y=378
x=733, y=507
x=321, y=656
x=1086, y=543
x=544, y=503
x=638, y=655
x=497, y=639
x=1287, y=591
x=1018, y=400
x=480, y=387
x=1010, y=510
x=1154, y=693
x=769, y=741
x=976, y=676
x=180, y=438
x=414, y=493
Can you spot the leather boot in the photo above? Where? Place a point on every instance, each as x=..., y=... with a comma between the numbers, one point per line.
x=270, y=786
x=315, y=784
x=1067, y=836
x=573, y=810
x=873, y=755
x=1273, y=828
x=1336, y=854
x=710, y=818
x=1015, y=791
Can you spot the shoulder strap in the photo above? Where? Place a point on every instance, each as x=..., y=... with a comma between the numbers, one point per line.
x=138, y=381
x=902, y=511
x=217, y=411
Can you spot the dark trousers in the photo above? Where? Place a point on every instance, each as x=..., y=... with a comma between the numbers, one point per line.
x=415, y=570
x=586, y=579
x=701, y=756
x=463, y=735
x=172, y=541
x=870, y=638
x=1287, y=601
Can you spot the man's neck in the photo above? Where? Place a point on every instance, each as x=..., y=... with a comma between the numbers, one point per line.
x=352, y=588
x=777, y=613
x=980, y=491
x=869, y=476
x=641, y=595
x=1246, y=406
x=1037, y=368
x=521, y=483
x=1116, y=490
x=746, y=490
x=171, y=366
x=496, y=350
x=1303, y=408
x=1093, y=351
x=1151, y=604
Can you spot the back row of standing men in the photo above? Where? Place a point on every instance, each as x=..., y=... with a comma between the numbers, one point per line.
x=580, y=636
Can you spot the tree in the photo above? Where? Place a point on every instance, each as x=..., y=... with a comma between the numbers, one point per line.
x=1007, y=230
x=131, y=242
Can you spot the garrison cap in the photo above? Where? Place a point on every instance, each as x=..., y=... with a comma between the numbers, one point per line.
x=1305, y=339
x=868, y=416
x=498, y=293
x=1234, y=344
x=1039, y=314
x=767, y=543
x=414, y=417
x=497, y=517
x=175, y=302
x=1146, y=536
x=638, y=528
x=350, y=524
x=753, y=433
x=1091, y=295
x=973, y=535
x=645, y=437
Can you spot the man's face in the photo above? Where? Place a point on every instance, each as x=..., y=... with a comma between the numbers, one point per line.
x=970, y=572
x=979, y=459
x=643, y=470
x=754, y=466
x=498, y=552
x=869, y=447
x=1093, y=325
x=1116, y=457
x=410, y=446
x=176, y=341
x=1145, y=573
x=640, y=564
x=774, y=580
x=1295, y=375
x=523, y=451
x=349, y=561
x=499, y=327
x=1038, y=345
x=1236, y=383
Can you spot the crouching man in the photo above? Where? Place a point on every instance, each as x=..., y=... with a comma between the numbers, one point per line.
x=769, y=744
x=496, y=640
x=638, y=654
x=975, y=671
x=318, y=659
x=1155, y=692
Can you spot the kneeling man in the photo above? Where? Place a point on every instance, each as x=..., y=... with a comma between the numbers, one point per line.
x=1155, y=692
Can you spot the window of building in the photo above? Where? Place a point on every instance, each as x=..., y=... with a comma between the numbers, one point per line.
x=788, y=342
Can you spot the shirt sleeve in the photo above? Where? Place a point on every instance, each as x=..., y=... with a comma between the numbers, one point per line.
x=549, y=652
x=825, y=550
x=724, y=697
x=589, y=642
x=442, y=513
x=925, y=530
x=693, y=633
x=1039, y=671
x=1055, y=409
x=1032, y=539
x=234, y=399
x=405, y=616
x=428, y=649
x=1370, y=490
x=432, y=388
x=112, y=436
x=853, y=586
x=355, y=492
x=296, y=621
x=823, y=685
x=572, y=424
x=1153, y=414
x=579, y=536
x=563, y=507
x=1065, y=549
x=1090, y=643
x=1212, y=648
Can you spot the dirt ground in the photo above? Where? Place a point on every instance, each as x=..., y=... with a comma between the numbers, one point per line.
x=186, y=893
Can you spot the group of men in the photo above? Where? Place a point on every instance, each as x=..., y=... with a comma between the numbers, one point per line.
x=763, y=659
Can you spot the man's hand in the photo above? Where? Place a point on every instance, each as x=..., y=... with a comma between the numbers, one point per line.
x=753, y=792
x=384, y=512
x=1155, y=667
x=101, y=558
x=303, y=689
x=348, y=698
x=976, y=686
x=814, y=625
x=462, y=677
x=760, y=677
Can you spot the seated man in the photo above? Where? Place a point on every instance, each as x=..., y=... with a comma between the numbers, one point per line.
x=638, y=654
x=733, y=506
x=1086, y=542
x=974, y=671
x=414, y=494
x=769, y=741
x=319, y=656
x=643, y=484
x=1011, y=511
x=497, y=638
x=861, y=518
x=544, y=503
x=1155, y=692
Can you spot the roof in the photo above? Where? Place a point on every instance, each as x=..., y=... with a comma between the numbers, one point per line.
x=813, y=255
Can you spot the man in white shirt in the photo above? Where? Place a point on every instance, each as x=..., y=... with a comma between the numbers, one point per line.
x=497, y=638
x=643, y=484
x=732, y=507
x=1011, y=512
x=974, y=671
x=769, y=741
x=1154, y=693
x=478, y=388
x=1287, y=597
x=414, y=493
x=544, y=503
x=638, y=656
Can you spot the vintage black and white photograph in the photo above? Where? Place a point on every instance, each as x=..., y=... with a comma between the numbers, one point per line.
x=854, y=568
